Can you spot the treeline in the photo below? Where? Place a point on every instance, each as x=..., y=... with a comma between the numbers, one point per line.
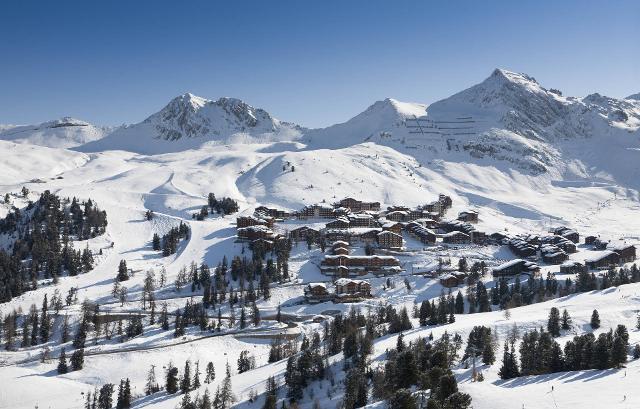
x=43, y=235
x=540, y=353
x=223, y=206
x=420, y=365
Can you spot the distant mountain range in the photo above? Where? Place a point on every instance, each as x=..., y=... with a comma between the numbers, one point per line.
x=509, y=121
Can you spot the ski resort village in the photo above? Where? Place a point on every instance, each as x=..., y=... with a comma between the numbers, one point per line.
x=477, y=252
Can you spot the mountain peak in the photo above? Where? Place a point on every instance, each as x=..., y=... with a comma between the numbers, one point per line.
x=635, y=97
x=188, y=100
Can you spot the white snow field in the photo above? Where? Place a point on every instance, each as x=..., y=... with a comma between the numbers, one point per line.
x=528, y=160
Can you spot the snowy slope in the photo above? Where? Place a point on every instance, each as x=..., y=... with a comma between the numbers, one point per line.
x=61, y=133
x=635, y=97
x=24, y=162
x=552, y=160
x=509, y=121
x=189, y=121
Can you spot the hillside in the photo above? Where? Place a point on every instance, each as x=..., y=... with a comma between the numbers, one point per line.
x=61, y=133
x=526, y=158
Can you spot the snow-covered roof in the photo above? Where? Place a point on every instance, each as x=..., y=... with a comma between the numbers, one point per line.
x=600, y=255
x=345, y=281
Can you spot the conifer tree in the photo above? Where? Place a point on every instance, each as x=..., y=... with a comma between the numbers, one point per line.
x=152, y=384
x=595, y=320
x=171, y=380
x=566, y=320
x=77, y=359
x=553, y=324
x=123, y=274
x=509, y=368
x=185, y=382
x=210, y=373
x=156, y=242
x=105, y=400
x=62, y=363
x=620, y=346
x=196, y=376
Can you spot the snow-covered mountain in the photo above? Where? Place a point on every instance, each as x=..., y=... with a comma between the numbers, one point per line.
x=635, y=97
x=511, y=121
x=60, y=133
x=188, y=121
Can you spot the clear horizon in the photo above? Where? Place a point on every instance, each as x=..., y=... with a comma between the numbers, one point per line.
x=315, y=65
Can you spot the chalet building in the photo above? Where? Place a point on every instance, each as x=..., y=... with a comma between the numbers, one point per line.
x=453, y=279
x=394, y=227
x=521, y=247
x=439, y=206
x=357, y=205
x=246, y=221
x=516, y=267
x=469, y=216
x=252, y=233
x=449, y=280
x=567, y=233
x=498, y=238
x=572, y=267
x=390, y=240
x=339, y=223
x=317, y=292
x=398, y=215
x=346, y=286
x=264, y=244
x=421, y=233
x=603, y=259
x=362, y=220
x=478, y=237
x=590, y=240
x=366, y=235
x=445, y=201
x=337, y=234
x=434, y=207
x=360, y=265
x=552, y=254
x=600, y=244
x=303, y=232
x=427, y=222
x=316, y=211
x=271, y=212
x=456, y=237
x=627, y=252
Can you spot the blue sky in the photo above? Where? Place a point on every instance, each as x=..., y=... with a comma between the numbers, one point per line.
x=314, y=63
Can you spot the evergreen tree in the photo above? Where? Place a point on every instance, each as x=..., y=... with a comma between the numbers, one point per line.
x=156, y=242
x=459, y=309
x=226, y=391
x=171, y=380
x=105, y=400
x=620, y=346
x=152, y=384
x=45, y=324
x=210, y=373
x=185, y=382
x=566, y=320
x=77, y=359
x=595, y=320
x=62, y=363
x=553, y=324
x=123, y=273
x=509, y=368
